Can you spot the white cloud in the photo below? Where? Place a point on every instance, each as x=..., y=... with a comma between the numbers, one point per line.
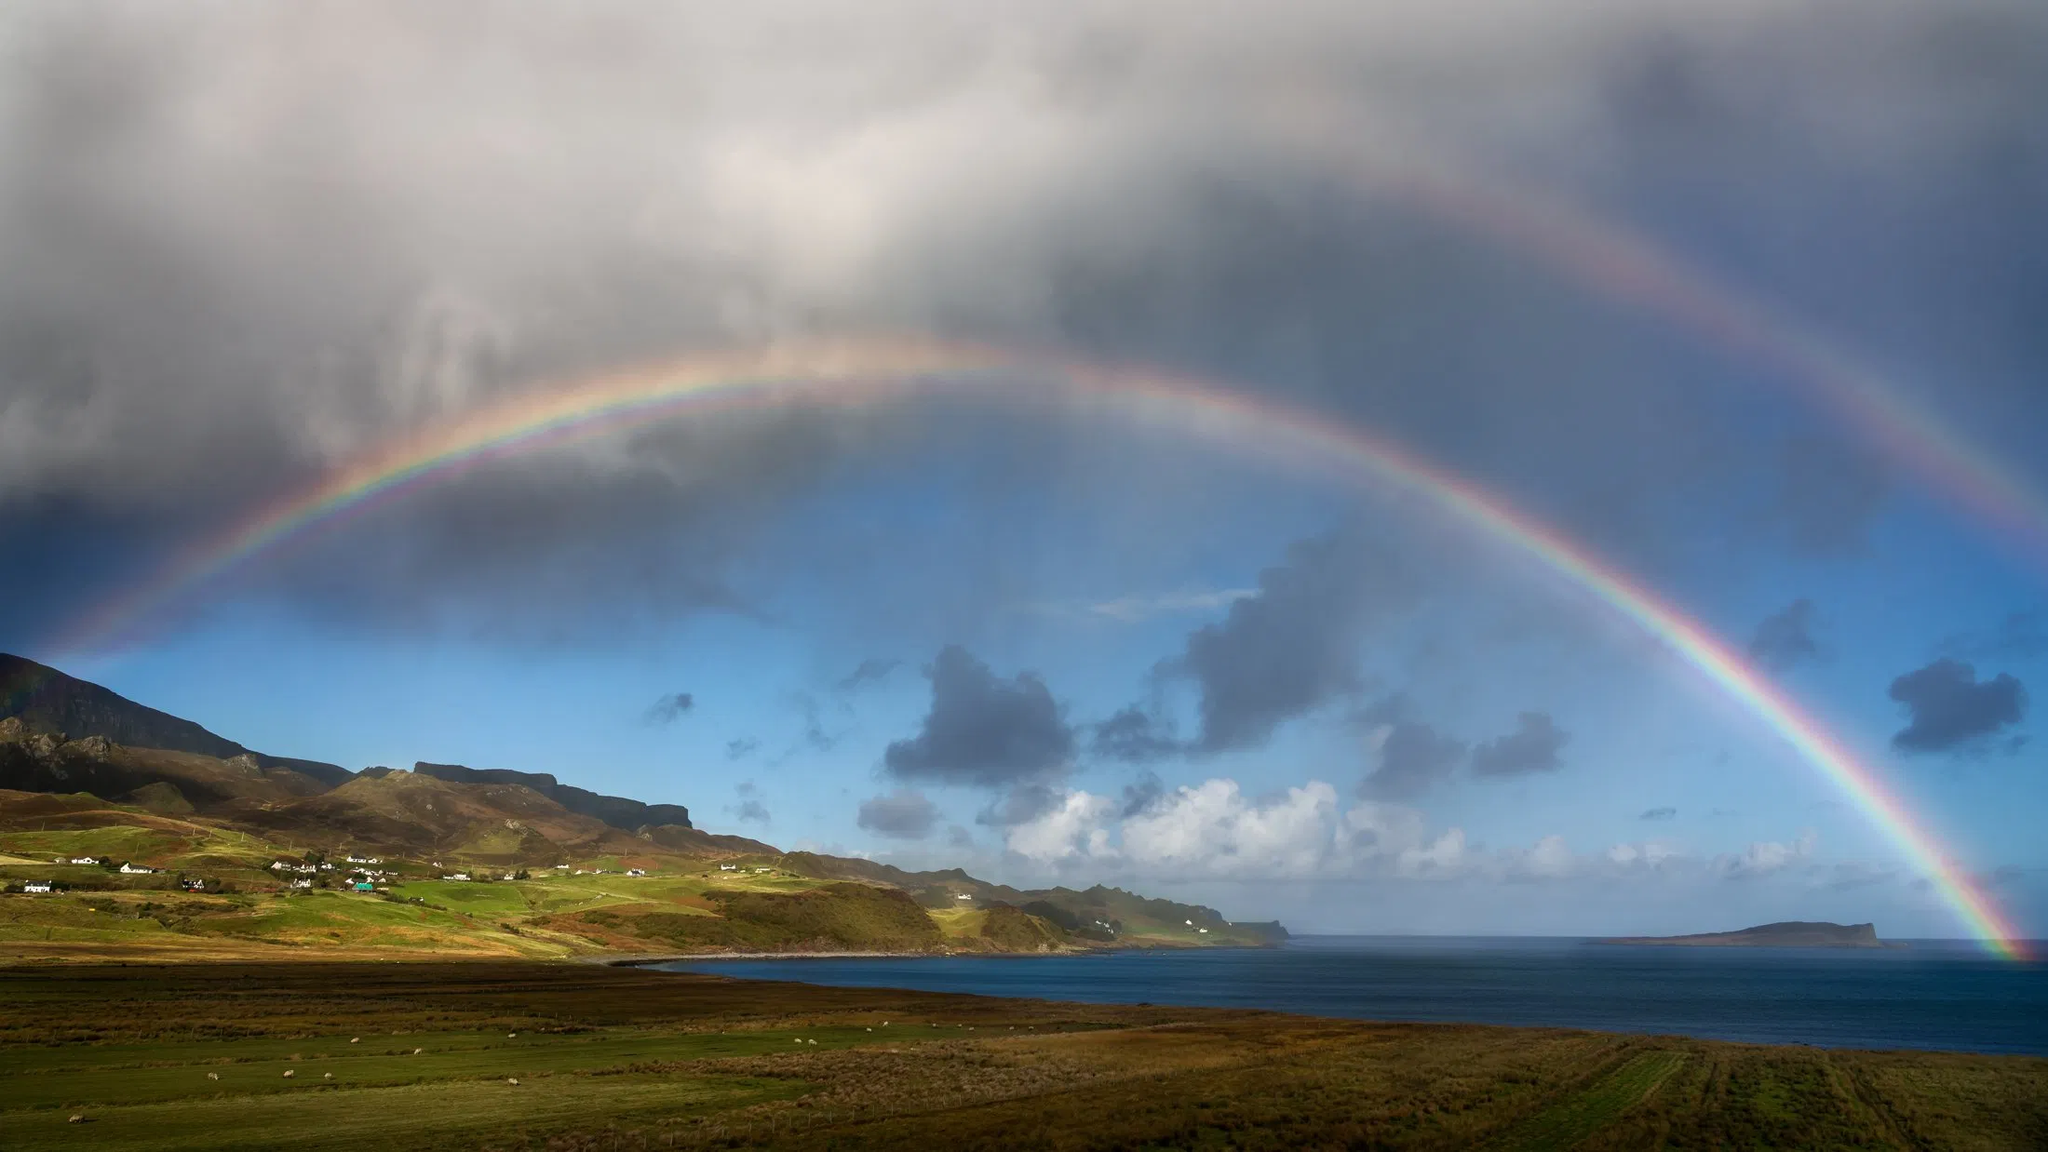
x=1767, y=856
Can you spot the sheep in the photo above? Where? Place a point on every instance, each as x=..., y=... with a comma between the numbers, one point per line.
x=77, y=1118
x=511, y=1035
x=417, y=1051
x=327, y=1075
x=796, y=1040
x=213, y=1075
x=512, y=1080
x=355, y=1039
x=288, y=1073
x=812, y=1043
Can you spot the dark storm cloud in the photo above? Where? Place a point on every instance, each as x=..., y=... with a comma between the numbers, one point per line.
x=238, y=255
x=1414, y=758
x=1289, y=648
x=671, y=708
x=1658, y=814
x=1951, y=709
x=902, y=815
x=983, y=729
x=1532, y=747
x=1785, y=637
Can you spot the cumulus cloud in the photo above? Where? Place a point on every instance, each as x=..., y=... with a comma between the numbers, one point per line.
x=1532, y=747
x=901, y=815
x=1765, y=857
x=983, y=729
x=671, y=708
x=1785, y=637
x=1951, y=709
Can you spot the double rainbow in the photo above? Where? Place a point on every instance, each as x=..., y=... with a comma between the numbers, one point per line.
x=859, y=374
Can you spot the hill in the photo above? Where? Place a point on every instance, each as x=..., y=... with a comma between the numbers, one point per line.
x=1784, y=934
x=46, y=700
x=156, y=852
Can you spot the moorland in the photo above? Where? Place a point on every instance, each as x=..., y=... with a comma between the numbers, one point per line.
x=529, y=1055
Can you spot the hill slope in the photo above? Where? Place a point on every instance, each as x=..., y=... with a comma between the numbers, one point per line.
x=46, y=700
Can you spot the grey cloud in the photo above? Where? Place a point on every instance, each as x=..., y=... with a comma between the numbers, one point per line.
x=1414, y=758
x=2022, y=635
x=1532, y=747
x=901, y=815
x=671, y=708
x=1658, y=814
x=1785, y=637
x=959, y=837
x=1292, y=646
x=1141, y=796
x=1950, y=709
x=752, y=810
x=1020, y=805
x=873, y=670
x=741, y=748
x=1135, y=735
x=983, y=729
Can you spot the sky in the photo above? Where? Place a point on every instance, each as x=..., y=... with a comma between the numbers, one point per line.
x=1744, y=301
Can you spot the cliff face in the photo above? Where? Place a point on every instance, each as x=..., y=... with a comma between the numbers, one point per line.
x=617, y=811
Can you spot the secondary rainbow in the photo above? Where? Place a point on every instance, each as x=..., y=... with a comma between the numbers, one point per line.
x=866, y=373
x=1633, y=270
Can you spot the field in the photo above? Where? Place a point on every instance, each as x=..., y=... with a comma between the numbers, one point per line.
x=425, y=1055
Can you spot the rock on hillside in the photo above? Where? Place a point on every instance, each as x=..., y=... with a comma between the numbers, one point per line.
x=617, y=811
x=46, y=700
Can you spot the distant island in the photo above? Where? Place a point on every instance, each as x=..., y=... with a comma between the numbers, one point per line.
x=1785, y=934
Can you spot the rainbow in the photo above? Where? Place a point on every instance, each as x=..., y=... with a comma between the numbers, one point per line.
x=1632, y=270
x=860, y=374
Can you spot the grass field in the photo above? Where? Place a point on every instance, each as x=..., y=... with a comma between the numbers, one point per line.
x=622, y=1058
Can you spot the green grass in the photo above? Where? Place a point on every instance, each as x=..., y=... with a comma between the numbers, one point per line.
x=1571, y=1121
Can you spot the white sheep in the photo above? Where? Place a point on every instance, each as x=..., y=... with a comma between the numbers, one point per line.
x=512, y=1080
x=812, y=1043
x=213, y=1075
x=288, y=1073
x=417, y=1051
x=355, y=1039
x=327, y=1075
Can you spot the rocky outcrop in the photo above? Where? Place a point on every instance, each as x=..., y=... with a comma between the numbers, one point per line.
x=617, y=811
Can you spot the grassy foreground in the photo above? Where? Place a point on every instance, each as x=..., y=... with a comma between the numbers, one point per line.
x=424, y=1055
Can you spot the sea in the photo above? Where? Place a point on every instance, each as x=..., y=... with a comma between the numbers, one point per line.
x=1929, y=994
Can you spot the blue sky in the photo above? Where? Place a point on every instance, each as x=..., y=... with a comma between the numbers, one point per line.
x=1334, y=711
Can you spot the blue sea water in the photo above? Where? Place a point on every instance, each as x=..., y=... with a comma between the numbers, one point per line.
x=1935, y=994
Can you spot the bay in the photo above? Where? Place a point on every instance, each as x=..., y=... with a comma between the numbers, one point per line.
x=1930, y=994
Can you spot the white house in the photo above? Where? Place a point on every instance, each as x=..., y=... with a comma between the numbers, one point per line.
x=728, y=867
x=963, y=896
x=760, y=870
x=353, y=859
x=510, y=876
x=83, y=860
x=36, y=886
x=302, y=883
x=456, y=876
x=136, y=870
x=636, y=871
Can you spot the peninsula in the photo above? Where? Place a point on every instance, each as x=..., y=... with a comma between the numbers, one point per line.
x=1785, y=934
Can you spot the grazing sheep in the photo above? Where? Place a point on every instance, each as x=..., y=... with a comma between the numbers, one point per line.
x=511, y=1035
x=512, y=1080
x=213, y=1075
x=871, y=1029
x=417, y=1051
x=77, y=1118
x=796, y=1040
x=812, y=1043
x=327, y=1075
x=288, y=1073
x=354, y=1039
